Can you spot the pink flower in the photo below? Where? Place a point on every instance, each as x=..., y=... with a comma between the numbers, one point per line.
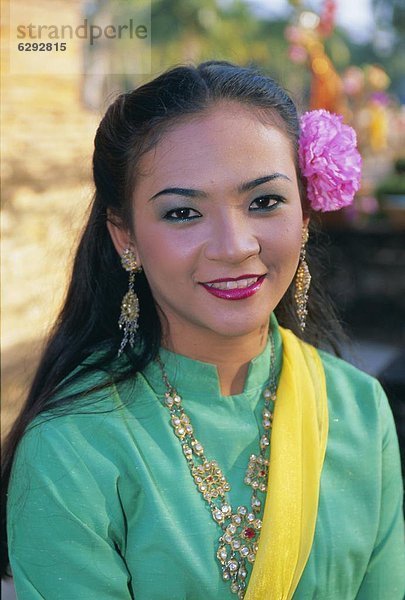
x=329, y=160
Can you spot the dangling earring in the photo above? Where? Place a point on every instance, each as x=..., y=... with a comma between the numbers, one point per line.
x=128, y=320
x=302, y=283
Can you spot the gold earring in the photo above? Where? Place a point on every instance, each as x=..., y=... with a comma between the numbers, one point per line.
x=302, y=283
x=128, y=320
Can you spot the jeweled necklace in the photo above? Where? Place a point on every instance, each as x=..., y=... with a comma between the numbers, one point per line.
x=238, y=542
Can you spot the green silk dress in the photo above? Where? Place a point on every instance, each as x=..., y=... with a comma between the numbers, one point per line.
x=102, y=505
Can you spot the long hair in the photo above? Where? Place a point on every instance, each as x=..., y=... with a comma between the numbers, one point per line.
x=132, y=125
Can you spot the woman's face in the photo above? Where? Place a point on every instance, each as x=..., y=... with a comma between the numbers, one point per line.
x=217, y=223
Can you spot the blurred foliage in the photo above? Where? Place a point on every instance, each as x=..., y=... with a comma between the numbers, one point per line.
x=388, y=47
x=192, y=31
x=394, y=182
x=189, y=31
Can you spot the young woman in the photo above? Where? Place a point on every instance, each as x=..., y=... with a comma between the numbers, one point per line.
x=180, y=439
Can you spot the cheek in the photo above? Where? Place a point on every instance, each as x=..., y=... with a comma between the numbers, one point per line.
x=163, y=252
x=281, y=245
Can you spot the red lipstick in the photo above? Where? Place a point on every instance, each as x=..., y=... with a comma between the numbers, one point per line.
x=235, y=293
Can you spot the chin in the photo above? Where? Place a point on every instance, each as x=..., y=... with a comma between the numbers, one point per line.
x=240, y=327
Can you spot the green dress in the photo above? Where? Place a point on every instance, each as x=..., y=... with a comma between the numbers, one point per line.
x=102, y=505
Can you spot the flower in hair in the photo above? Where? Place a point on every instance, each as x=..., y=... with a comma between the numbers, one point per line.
x=329, y=160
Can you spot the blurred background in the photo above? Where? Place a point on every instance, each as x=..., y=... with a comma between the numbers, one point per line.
x=341, y=55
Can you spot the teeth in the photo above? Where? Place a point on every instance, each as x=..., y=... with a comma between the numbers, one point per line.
x=231, y=285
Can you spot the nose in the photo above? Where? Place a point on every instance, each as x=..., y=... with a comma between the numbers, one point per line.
x=231, y=239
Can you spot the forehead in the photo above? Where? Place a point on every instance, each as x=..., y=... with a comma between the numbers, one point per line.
x=226, y=142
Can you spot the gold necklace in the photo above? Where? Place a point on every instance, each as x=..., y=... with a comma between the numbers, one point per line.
x=240, y=528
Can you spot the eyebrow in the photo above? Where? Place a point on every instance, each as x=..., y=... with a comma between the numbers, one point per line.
x=247, y=186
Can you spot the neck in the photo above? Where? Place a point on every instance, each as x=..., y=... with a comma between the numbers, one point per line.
x=231, y=355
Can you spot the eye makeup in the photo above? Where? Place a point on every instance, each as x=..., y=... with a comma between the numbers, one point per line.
x=266, y=203
x=181, y=214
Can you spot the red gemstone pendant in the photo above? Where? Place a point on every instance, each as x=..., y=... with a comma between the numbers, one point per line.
x=249, y=533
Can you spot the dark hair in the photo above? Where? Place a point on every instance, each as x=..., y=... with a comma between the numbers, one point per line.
x=88, y=319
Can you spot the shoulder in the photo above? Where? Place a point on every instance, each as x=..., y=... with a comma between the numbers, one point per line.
x=94, y=388
x=80, y=447
x=344, y=382
x=349, y=381
x=84, y=418
x=343, y=374
x=356, y=399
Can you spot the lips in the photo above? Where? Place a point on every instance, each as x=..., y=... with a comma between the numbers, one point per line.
x=235, y=288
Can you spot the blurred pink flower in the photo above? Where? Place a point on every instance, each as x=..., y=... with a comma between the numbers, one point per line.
x=292, y=34
x=353, y=81
x=329, y=160
x=380, y=98
x=297, y=54
x=327, y=21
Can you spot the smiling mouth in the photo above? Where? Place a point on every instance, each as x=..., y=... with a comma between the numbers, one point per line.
x=233, y=284
x=238, y=288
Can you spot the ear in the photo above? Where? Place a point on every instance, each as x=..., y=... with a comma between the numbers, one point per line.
x=305, y=221
x=120, y=234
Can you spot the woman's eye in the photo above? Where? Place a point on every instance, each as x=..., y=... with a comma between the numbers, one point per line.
x=182, y=214
x=265, y=203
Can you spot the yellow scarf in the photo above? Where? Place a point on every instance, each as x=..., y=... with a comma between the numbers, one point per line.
x=298, y=444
